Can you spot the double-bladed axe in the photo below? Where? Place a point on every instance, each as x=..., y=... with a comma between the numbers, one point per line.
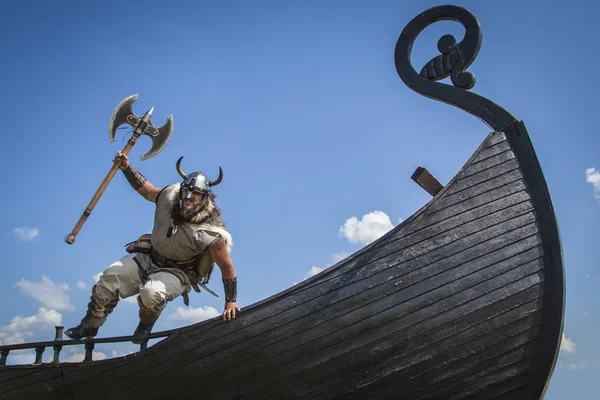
x=122, y=114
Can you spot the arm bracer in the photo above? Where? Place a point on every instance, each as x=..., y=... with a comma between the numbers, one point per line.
x=230, y=286
x=135, y=179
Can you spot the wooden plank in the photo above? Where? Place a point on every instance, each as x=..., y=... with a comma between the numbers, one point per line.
x=357, y=316
x=427, y=181
x=494, y=139
x=487, y=163
x=399, y=356
x=13, y=373
x=436, y=215
x=289, y=330
x=30, y=383
x=218, y=394
x=491, y=151
x=509, y=377
x=312, y=359
x=438, y=383
x=479, y=189
x=421, y=244
x=439, y=376
x=483, y=176
x=444, y=226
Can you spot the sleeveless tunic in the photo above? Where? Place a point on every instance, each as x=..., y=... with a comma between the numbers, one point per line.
x=189, y=241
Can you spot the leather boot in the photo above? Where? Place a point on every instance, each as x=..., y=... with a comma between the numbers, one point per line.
x=142, y=333
x=98, y=310
x=80, y=332
x=148, y=317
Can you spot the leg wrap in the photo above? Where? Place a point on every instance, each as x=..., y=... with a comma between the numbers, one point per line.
x=98, y=309
x=147, y=315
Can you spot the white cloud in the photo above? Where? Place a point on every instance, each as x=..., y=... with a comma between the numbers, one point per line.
x=371, y=227
x=578, y=366
x=47, y=293
x=7, y=337
x=14, y=358
x=116, y=354
x=592, y=176
x=81, y=285
x=25, y=233
x=44, y=318
x=567, y=345
x=78, y=357
x=96, y=277
x=585, y=314
x=21, y=327
x=27, y=356
x=313, y=271
x=340, y=256
x=193, y=315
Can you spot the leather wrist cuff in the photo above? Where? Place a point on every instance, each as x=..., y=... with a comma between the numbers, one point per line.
x=230, y=287
x=135, y=179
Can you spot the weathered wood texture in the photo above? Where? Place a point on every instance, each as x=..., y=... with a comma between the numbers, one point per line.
x=463, y=300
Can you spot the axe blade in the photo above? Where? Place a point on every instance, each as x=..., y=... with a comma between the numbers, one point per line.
x=119, y=116
x=160, y=137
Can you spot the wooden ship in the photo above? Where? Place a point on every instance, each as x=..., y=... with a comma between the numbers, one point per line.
x=463, y=300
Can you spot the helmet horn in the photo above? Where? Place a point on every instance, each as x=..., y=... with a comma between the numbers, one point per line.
x=218, y=180
x=178, y=166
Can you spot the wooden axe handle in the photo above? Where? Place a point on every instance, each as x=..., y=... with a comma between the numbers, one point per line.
x=71, y=237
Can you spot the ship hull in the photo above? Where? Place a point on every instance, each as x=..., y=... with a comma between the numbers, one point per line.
x=463, y=300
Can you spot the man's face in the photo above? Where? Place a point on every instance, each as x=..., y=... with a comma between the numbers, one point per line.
x=191, y=205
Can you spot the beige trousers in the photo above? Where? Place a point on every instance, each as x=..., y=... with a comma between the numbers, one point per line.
x=136, y=274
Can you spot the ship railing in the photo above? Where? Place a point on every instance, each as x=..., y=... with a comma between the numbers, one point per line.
x=58, y=343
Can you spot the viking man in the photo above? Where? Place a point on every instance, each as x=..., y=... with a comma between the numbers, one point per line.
x=187, y=239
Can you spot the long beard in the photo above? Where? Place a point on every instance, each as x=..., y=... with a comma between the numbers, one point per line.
x=206, y=213
x=188, y=213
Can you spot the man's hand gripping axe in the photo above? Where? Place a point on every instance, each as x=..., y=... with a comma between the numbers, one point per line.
x=142, y=126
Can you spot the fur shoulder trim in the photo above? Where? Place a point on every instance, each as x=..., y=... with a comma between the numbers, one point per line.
x=226, y=235
x=172, y=193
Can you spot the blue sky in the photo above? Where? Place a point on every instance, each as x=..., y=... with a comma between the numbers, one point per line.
x=300, y=103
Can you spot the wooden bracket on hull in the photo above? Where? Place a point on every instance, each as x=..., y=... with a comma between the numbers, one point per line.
x=427, y=181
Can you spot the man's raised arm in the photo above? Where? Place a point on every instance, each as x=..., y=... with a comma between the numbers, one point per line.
x=136, y=179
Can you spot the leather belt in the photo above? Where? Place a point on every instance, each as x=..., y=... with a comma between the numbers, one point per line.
x=164, y=262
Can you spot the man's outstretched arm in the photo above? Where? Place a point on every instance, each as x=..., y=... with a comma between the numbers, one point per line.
x=137, y=181
x=221, y=256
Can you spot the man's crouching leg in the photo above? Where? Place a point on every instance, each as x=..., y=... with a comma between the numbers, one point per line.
x=152, y=300
x=148, y=317
x=120, y=279
x=99, y=307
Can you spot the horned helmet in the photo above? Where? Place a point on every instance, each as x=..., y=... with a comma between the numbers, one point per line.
x=196, y=182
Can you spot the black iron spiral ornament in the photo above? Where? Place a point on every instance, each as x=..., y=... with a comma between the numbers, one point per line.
x=454, y=60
